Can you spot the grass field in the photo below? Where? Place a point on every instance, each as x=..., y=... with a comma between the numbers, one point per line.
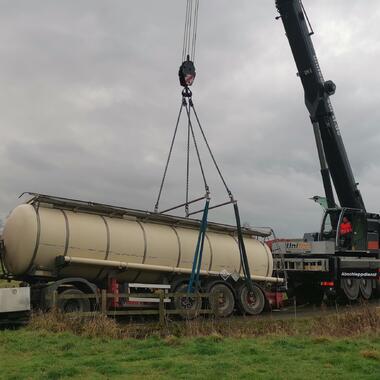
x=55, y=346
x=344, y=346
x=41, y=355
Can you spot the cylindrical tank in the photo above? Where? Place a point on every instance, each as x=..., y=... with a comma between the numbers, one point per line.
x=35, y=236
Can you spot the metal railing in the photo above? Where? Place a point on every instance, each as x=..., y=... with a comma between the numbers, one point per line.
x=103, y=305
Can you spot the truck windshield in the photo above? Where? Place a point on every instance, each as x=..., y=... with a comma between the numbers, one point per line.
x=329, y=225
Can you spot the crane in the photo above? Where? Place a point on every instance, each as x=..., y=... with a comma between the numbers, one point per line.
x=332, y=154
x=334, y=166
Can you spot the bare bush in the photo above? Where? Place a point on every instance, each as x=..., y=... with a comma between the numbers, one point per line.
x=365, y=321
x=94, y=326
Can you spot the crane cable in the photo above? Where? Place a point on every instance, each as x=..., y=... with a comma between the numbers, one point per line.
x=190, y=137
x=168, y=159
x=186, y=71
x=190, y=132
x=190, y=32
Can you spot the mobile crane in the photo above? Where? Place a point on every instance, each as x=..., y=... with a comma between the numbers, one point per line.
x=329, y=266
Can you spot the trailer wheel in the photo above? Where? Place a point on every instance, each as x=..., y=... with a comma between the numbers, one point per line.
x=189, y=306
x=74, y=305
x=365, y=288
x=350, y=288
x=221, y=300
x=251, y=303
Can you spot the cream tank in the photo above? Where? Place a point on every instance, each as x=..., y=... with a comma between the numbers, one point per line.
x=35, y=234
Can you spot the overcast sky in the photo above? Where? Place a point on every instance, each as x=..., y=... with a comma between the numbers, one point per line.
x=89, y=95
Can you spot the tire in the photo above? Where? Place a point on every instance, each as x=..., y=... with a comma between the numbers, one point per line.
x=221, y=300
x=188, y=305
x=251, y=303
x=365, y=286
x=350, y=288
x=73, y=305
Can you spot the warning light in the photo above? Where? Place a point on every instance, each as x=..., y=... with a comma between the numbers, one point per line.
x=329, y=284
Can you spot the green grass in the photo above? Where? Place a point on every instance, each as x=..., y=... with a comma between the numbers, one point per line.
x=28, y=354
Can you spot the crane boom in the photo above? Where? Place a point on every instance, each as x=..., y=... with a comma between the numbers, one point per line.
x=332, y=153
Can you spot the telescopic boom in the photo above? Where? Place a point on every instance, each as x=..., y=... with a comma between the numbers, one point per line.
x=331, y=151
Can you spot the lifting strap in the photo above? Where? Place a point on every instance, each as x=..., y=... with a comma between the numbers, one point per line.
x=197, y=261
x=242, y=250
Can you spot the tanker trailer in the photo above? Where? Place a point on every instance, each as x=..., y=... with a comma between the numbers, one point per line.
x=76, y=247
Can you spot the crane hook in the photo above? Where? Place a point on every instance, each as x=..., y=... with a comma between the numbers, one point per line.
x=186, y=73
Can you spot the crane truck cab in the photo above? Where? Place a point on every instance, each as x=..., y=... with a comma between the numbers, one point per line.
x=331, y=229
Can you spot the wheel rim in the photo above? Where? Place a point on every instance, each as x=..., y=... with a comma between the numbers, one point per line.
x=350, y=288
x=251, y=303
x=221, y=300
x=189, y=304
x=366, y=288
x=72, y=306
x=251, y=298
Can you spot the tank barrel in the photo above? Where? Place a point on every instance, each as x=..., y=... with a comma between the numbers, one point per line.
x=94, y=241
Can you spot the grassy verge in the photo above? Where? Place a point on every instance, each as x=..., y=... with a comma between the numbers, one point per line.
x=358, y=321
x=54, y=346
x=42, y=355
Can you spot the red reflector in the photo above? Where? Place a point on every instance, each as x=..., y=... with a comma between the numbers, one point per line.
x=373, y=245
x=327, y=283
